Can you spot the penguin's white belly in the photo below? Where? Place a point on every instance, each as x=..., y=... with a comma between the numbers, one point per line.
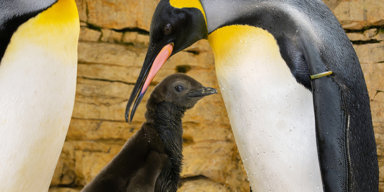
x=36, y=103
x=38, y=85
x=271, y=115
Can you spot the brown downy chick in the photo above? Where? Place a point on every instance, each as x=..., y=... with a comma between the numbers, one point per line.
x=151, y=159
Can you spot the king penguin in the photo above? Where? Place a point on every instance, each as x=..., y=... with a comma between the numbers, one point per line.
x=292, y=86
x=38, y=65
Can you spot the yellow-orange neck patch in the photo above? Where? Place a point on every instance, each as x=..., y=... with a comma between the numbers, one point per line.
x=56, y=30
x=229, y=41
x=62, y=11
x=188, y=4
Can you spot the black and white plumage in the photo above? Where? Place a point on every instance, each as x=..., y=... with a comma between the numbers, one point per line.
x=293, y=133
x=38, y=65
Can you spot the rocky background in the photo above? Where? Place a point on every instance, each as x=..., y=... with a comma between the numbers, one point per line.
x=112, y=47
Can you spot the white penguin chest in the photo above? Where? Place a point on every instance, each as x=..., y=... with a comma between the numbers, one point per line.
x=271, y=115
x=38, y=85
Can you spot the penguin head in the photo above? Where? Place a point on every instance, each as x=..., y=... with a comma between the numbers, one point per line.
x=176, y=24
x=179, y=27
x=180, y=90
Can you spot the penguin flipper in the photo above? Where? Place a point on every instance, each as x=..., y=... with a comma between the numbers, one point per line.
x=331, y=117
x=330, y=113
x=145, y=178
x=342, y=129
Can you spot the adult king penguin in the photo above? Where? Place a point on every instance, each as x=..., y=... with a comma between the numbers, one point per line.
x=292, y=85
x=38, y=64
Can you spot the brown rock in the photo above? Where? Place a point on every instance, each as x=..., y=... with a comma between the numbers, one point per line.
x=360, y=13
x=136, y=38
x=207, y=111
x=78, y=152
x=89, y=163
x=375, y=84
x=370, y=33
x=80, y=129
x=111, y=36
x=332, y=3
x=56, y=189
x=377, y=105
x=200, y=185
x=381, y=169
x=82, y=9
x=197, y=132
x=373, y=78
x=105, y=100
x=380, y=35
x=207, y=77
x=120, y=14
x=357, y=37
x=200, y=46
x=204, y=59
x=65, y=170
x=370, y=53
x=112, y=54
x=87, y=34
x=210, y=159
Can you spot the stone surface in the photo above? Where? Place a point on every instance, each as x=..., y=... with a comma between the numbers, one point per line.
x=136, y=38
x=380, y=35
x=370, y=53
x=120, y=14
x=56, y=189
x=200, y=185
x=87, y=34
x=213, y=160
x=82, y=9
x=111, y=36
x=357, y=37
x=358, y=14
x=83, y=130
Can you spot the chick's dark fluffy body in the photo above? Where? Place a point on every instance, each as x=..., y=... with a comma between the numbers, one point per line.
x=151, y=160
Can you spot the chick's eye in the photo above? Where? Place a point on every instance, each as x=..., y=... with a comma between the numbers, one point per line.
x=179, y=88
x=167, y=29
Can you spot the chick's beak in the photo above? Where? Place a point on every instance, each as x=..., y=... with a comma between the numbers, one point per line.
x=202, y=92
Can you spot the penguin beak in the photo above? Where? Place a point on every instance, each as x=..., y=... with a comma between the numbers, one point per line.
x=202, y=92
x=148, y=71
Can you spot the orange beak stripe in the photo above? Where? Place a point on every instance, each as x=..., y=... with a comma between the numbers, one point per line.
x=159, y=61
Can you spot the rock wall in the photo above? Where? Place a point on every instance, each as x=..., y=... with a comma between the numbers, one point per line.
x=112, y=47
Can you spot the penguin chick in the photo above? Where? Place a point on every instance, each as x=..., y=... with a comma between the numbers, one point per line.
x=151, y=159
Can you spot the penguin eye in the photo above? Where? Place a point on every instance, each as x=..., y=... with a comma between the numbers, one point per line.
x=179, y=88
x=167, y=29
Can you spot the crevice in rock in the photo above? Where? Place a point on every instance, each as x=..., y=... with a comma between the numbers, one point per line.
x=193, y=52
x=365, y=42
x=106, y=80
x=138, y=30
x=379, y=27
x=86, y=11
x=112, y=81
x=377, y=92
x=118, y=121
x=193, y=178
x=111, y=141
x=187, y=139
x=183, y=68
